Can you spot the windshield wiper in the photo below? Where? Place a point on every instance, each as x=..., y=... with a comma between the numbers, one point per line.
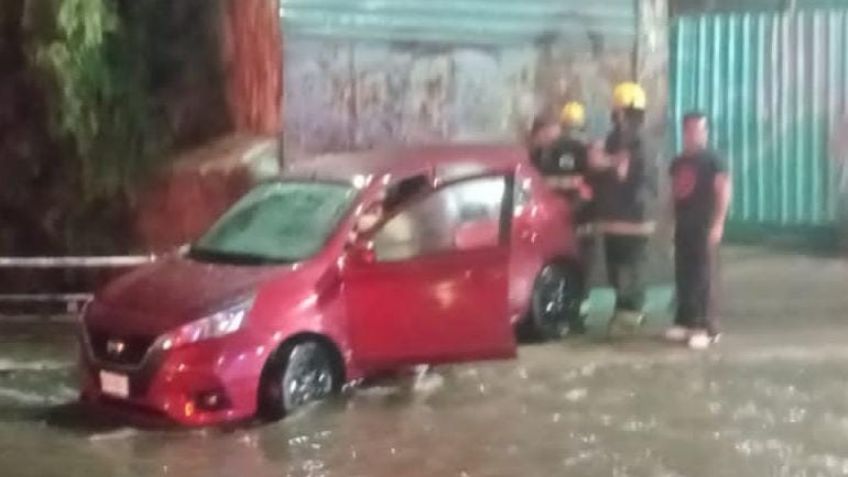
x=233, y=258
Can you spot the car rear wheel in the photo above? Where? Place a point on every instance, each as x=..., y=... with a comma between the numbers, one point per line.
x=556, y=301
x=298, y=375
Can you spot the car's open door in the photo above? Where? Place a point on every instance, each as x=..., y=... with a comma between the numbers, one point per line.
x=434, y=287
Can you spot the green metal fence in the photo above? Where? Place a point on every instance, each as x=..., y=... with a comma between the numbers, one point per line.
x=775, y=86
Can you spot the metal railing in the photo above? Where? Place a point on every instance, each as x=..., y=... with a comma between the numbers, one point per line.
x=73, y=301
x=76, y=262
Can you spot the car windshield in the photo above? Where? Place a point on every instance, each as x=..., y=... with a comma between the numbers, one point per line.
x=279, y=222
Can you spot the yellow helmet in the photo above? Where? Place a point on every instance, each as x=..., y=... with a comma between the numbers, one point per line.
x=573, y=114
x=629, y=95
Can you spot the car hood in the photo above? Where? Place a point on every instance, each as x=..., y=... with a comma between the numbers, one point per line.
x=165, y=295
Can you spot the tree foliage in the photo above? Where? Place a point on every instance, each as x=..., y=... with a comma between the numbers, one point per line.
x=95, y=96
x=100, y=95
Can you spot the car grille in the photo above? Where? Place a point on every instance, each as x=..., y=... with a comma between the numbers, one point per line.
x=124, y=350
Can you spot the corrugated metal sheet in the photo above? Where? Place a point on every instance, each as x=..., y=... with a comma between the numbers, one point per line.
x=681, y=7
x=459, y=21
x=775, y=86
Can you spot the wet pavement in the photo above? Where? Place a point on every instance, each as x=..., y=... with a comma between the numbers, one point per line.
x=771, y=400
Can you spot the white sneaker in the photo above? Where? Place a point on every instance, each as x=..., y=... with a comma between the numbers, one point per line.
x=677, y=334
x=700, y=340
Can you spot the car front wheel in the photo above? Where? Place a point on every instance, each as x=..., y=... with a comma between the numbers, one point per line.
x=298, y=375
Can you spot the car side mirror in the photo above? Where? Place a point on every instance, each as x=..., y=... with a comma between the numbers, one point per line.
x=361, y=252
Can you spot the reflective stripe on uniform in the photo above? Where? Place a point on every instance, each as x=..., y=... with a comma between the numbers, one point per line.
x=626, y=228
x=569, y=182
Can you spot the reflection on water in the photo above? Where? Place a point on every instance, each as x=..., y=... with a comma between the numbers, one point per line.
x=555, y=412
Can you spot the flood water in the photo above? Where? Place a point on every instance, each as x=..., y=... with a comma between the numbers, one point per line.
x=772, y=400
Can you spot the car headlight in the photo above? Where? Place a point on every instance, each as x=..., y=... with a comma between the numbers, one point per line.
x=217, y=325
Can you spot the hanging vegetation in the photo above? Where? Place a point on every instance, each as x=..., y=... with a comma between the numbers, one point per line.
x=100, y=100
x=107, y=90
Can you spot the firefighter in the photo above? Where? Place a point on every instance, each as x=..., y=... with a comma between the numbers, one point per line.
x=564, y=164
x=621, y=192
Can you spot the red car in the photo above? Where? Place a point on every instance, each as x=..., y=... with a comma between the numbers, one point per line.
x=348, y=266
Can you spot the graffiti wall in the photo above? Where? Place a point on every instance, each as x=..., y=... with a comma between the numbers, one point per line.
x=357, y=78
x=342, y=96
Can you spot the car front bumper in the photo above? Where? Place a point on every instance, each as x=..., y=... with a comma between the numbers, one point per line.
x=202, y=384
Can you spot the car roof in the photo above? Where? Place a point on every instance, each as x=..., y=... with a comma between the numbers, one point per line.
x=406, y=161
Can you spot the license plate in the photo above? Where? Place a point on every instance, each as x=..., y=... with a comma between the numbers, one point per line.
x=114, y=384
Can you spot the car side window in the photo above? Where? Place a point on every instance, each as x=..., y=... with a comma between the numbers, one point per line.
x=405, y=190
x=460, y=216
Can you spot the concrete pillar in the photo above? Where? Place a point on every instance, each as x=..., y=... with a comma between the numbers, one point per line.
x=651, y=64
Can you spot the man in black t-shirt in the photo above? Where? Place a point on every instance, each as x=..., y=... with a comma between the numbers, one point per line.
x=701, y=193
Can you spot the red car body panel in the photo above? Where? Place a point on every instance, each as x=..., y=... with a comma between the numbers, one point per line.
x=458, y=305
x=541, y=232
x=455, y=299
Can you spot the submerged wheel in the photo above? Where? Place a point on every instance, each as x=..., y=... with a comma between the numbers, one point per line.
x=556, y=301
x=299, y=374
